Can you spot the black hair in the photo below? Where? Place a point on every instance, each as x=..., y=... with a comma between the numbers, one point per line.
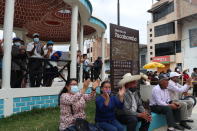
x=84, y=55
x=194, y=69
x=103, y=83
x=64, y=90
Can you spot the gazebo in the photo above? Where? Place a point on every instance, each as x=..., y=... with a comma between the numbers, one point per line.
x=63, y=21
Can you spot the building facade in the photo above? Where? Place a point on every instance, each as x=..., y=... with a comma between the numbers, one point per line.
x=143, y=57
x=167, y=32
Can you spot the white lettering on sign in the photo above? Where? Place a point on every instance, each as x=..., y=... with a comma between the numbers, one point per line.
x=123, y=35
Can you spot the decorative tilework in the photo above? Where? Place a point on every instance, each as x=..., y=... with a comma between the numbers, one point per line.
x=1, y=108
x=28, y=103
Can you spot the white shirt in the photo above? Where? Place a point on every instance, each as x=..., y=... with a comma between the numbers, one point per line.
x=159, y=96
x=30, y=46
x=53, y=63
x=175, y=89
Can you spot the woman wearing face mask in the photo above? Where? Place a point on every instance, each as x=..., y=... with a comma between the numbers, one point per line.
x=72, y=100
x=105, y=108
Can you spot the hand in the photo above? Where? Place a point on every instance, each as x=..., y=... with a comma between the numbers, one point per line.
x=145, y=116
x=86, y=84
x=189, y=81
x=1, y=41
x=96, y=84
x=121, y=91
x=173, y=106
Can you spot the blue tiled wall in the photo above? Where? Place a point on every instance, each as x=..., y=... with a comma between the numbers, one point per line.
x=1, y=108
x=28, y=103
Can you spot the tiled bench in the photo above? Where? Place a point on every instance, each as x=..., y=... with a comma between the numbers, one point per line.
x=157, y=122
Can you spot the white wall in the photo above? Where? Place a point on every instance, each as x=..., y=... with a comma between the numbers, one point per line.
x=189, y=54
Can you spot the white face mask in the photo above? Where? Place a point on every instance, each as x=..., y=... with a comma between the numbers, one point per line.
x=50, y=47
x=36, y=40
x=75, y=89
x=17, y=43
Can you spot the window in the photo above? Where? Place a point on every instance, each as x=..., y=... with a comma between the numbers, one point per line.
x=178, y=46
x=143, y=60
x=91, y=49
x=193, y=37
x=150, y=30
x=163, y=12
x=91, y=59
x=88, y=50
x=151, y=58
x=151, y=40
x=169, y=48
x=151, y=47
x=165, y=29
x=151, y=35
x=151, y=53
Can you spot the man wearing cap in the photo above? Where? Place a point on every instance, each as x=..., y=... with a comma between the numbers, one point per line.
x=133, y=110
x=18, y=65
x=161, y=103
x=175, y=91
x=35, y=50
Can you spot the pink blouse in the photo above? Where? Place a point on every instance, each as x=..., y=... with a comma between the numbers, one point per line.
x=77, y=102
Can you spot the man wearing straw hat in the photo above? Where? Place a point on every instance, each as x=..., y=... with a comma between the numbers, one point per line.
x=133, y=110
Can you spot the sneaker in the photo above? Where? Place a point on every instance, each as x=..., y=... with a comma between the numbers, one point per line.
x=189, y=120
x=185, y=125
x=178, y=127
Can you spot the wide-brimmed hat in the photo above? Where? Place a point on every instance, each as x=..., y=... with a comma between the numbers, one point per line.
x=128, y=78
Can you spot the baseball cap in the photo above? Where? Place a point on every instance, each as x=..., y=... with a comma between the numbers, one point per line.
x=174, y=74
x=36, y=34
x=16, y=39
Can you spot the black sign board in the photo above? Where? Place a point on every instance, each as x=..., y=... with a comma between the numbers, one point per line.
x=124, y=52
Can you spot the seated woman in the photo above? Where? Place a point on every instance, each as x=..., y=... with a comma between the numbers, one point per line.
x=105, y=108
x=72, y=103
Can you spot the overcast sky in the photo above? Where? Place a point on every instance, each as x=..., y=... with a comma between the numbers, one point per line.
x=133, y=14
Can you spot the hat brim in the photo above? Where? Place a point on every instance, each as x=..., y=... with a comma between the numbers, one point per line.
x=129, y=79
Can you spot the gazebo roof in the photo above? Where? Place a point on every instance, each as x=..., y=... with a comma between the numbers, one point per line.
x=50, y=18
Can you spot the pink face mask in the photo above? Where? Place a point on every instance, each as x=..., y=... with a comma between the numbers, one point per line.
x=107, y=91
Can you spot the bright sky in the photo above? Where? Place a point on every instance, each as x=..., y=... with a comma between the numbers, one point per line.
x=133, y=14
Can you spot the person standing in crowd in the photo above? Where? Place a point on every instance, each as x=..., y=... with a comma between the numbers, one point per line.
x=35, y=51
x=48, y=73
x=133, y=110
x=72, y=101
x=18, y=63
x=105, y=108
x=175, y=91
x=86, y=67
x=194, y=77
x=97, y=68
x=79, y=60
x=161, y=103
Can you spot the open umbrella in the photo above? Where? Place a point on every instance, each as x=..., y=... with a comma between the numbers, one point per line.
x=152, y=65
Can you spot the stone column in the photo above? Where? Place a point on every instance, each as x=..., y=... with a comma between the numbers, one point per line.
x=74, y=26
x=6, y=70
x=103, y=56
x=81, y=48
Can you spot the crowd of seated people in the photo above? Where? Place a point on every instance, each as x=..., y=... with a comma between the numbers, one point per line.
x=123, y=110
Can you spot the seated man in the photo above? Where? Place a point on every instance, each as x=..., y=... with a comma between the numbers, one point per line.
x=133, y=110
x=175, y=91
x=160, y=103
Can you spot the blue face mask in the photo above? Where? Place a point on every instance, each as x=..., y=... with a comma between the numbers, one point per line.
x=75, y=89
x=17, y=43
x=36, y=40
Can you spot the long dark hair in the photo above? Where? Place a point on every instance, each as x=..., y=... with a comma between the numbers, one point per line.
x=64, y=90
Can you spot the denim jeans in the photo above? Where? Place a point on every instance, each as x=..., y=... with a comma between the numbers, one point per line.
x=112, y=125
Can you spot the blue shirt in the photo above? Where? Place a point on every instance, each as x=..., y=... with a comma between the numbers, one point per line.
x=107, y=113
